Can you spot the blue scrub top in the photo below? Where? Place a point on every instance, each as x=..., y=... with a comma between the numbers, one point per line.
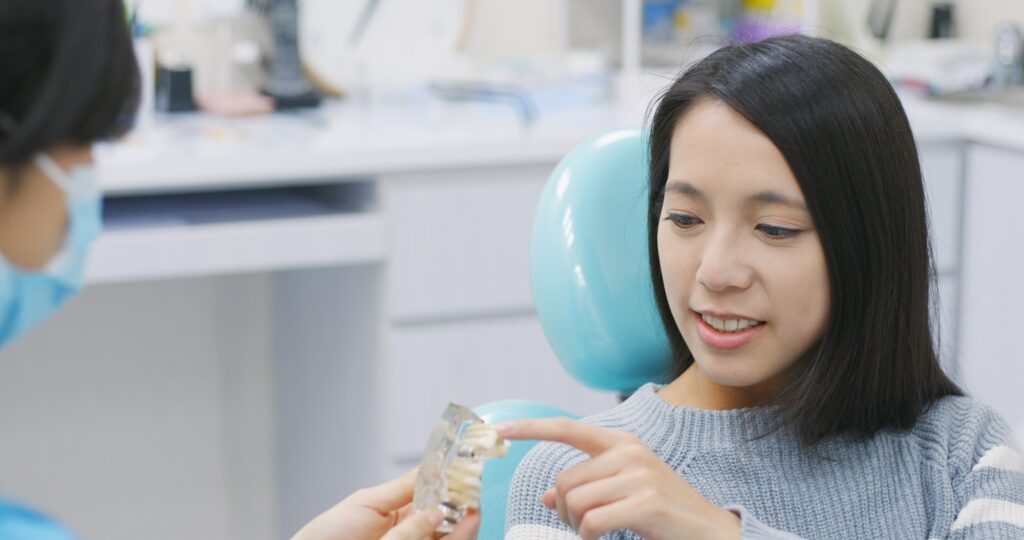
x=20, y=523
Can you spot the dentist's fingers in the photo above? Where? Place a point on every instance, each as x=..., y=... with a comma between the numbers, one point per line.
x=466, y=529
x=423, y=525
x=416, y=526
x=389, y=496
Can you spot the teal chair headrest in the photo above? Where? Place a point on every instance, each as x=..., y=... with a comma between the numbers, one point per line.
x=592, y=290
x=589, y=266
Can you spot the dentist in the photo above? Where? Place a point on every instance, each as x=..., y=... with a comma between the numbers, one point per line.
x=69, y=79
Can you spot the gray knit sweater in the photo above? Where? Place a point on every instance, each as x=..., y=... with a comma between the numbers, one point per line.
x=956, y=474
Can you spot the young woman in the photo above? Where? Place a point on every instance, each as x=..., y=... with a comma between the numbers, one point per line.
x=791, y=265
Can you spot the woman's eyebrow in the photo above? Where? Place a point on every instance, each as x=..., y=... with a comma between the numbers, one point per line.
x=773, y=197
x=683, y=187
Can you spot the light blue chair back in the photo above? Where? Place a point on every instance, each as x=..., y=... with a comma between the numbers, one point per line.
x=591, y=287
x=21, y=523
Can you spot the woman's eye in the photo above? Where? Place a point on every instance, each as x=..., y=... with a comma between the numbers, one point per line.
x=684, y=221
x=778, y=233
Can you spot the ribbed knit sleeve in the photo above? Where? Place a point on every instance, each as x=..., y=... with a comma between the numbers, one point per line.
x=526, y=517
x=988, y=474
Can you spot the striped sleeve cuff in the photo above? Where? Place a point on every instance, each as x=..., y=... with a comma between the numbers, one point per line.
x=752, y=529
x=534, y=531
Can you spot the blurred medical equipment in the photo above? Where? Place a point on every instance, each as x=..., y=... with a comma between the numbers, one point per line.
x=286, y=82
x=761, y=19
x=1009, y=64
x=963, y=71
x=880, y=14
x=942, y=24
x=364, y=20
x=355, y=47
x=174, y=88
x=518, y=97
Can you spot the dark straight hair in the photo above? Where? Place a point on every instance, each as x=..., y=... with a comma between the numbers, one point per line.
x=842, y=130
x=68, y=75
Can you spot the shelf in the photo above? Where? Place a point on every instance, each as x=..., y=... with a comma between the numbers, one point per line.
x=135, y=254
x=211, y=233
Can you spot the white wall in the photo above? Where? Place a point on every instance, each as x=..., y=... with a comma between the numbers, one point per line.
x=501, y=30
x=978, y=19
x=167, y=435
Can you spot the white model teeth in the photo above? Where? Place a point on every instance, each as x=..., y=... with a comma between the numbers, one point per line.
x=728, y=325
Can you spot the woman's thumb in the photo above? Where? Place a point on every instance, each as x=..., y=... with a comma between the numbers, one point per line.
x=416, y=526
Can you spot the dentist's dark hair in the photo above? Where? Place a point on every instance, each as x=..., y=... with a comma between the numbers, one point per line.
x=68, y=74
x=842, y=129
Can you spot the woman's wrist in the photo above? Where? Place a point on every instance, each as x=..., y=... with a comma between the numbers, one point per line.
x=732, y=525
x=719, y=524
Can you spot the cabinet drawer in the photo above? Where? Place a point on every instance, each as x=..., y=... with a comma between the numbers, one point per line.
x=459, y=243
x=942, y=166
x=472, y=363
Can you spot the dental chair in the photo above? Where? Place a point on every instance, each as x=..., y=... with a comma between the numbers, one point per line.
x=592, y=290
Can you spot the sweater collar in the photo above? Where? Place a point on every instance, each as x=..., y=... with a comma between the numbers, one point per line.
x=652, y=418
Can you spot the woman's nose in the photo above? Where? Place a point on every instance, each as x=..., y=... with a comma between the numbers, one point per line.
x=723, y=266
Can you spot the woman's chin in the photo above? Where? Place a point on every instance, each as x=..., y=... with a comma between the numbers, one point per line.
x=734, y=375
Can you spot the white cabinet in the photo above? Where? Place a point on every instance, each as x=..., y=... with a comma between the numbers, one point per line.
x=991, y=316
x=459, y=241
x=462, y=322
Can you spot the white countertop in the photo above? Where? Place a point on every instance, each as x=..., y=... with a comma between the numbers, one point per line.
x=198, y=152
x=987, y=124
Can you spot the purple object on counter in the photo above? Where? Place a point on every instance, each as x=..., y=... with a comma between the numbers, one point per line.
x=749, y=29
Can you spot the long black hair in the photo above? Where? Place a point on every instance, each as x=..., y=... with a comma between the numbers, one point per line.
x=67, y=75
x=846, y=138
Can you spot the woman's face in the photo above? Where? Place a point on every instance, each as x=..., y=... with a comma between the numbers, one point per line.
x=743, y=266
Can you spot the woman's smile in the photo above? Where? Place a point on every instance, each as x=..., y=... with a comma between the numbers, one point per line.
x=726, y=334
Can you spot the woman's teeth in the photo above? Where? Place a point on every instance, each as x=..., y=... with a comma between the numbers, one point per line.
x=729, y=325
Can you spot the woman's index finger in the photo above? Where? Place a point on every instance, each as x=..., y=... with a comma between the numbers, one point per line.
x=590, y=439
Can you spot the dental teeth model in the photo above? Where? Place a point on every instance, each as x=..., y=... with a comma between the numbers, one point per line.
x=450, y=472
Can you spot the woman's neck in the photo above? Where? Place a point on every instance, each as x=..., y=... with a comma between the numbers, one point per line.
x=694, y=389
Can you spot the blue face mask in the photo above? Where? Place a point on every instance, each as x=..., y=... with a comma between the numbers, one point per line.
x=27, y=297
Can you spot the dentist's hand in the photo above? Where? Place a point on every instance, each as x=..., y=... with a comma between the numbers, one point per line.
x=623, y=485
x=383, y=513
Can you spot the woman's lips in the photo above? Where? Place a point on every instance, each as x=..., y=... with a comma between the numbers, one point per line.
x=725, y=341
